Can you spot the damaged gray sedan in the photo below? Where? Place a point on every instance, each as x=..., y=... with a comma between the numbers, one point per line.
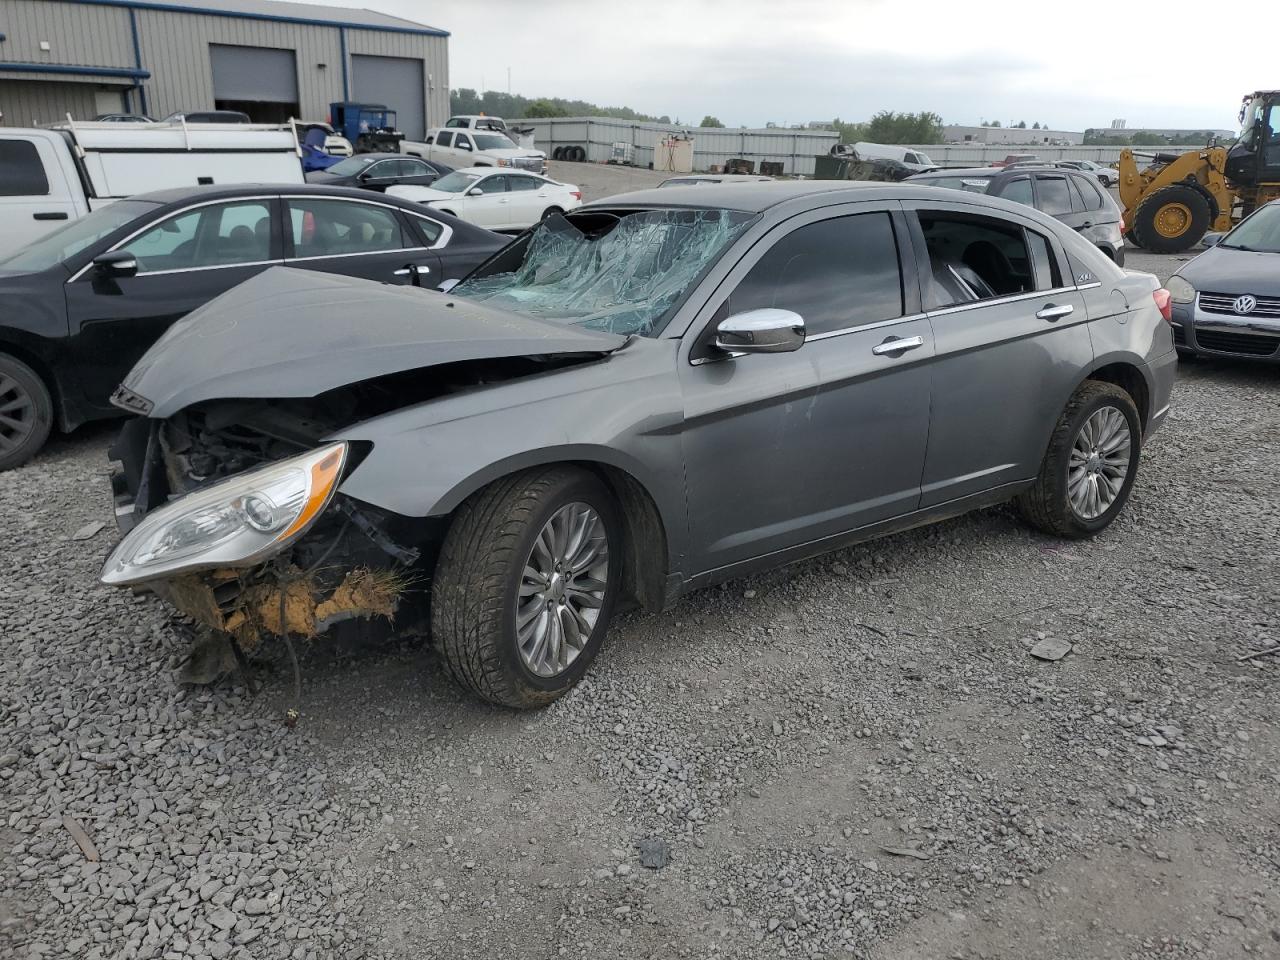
x=653, y=394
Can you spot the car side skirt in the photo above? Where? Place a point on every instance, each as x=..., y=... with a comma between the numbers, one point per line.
x=874, y=531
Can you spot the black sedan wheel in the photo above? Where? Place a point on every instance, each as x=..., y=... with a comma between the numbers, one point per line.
x=26, y=413
x=526, y=584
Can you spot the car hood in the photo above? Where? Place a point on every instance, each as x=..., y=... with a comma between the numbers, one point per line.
x=297, y=333
x=1234, y=271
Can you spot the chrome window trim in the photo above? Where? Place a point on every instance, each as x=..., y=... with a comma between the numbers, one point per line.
x=177, y=213
x=212, y=266
x=361, y=253
x=1011, y=298
x=1093, y=285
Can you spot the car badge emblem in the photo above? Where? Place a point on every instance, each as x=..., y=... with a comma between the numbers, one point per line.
x=1245, y=305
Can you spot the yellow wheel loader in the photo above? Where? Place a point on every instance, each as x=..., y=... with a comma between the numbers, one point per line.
x=1174, y=200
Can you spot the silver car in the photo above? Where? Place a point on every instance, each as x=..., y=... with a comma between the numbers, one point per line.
x=660, y=391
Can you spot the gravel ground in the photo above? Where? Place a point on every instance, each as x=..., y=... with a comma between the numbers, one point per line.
x=854, y=756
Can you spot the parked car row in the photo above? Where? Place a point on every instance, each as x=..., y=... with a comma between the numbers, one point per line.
x=494, y=199
x=80, y=305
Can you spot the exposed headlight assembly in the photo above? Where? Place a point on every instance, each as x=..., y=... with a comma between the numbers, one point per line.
x=233, y=523
x=1180, y=290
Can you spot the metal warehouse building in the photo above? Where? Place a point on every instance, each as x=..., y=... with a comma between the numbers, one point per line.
x=271, y=60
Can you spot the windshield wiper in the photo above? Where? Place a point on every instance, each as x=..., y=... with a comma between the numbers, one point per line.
x=1237, y=246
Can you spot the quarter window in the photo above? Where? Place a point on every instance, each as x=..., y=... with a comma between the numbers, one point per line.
x=444, y=139
x=430, y=229
x=21, y=172
x=1089, y=194
x=215, y=236
x=836, y=274
x=332, y=228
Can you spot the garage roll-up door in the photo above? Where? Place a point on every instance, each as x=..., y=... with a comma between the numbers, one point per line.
x=397, y=82
x=260, y=74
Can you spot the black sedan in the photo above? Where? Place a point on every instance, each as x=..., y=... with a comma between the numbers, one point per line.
x=377, y=171
x=1226, y=302
x=1074, y=197
x=80, y=305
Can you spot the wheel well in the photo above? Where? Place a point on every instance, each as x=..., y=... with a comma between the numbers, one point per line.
x=1199, y=188
x=46, y=375
x=645, y=563
x=1129, y=379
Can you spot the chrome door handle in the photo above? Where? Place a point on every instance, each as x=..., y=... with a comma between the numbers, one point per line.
x=413, y=268
x=1053, y=313
x=897, y=345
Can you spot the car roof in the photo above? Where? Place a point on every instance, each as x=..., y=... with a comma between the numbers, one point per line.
x=744, y=197
x=178, y=195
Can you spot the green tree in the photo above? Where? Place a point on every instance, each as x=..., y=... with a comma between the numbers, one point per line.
x=995, y=123
x=544, y=108
x=890, y=127
x=849, y=132
x=1022, y=124
x=1036, y=125
x=710, y=121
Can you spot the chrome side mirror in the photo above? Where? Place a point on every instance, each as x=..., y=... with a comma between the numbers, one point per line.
x=767, y=330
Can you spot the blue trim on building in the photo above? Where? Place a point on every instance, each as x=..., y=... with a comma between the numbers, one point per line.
x=137, y=60
x=342, y=44
x=127, y=72
x=271, y=17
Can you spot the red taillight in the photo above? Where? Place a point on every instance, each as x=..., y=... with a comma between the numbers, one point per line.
x=1122, y=223
x=1164, y=303
x=576, y=194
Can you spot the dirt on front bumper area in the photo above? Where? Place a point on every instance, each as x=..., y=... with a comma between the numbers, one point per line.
x=297, y=602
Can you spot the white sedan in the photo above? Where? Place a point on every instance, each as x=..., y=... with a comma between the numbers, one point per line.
x=495, y=199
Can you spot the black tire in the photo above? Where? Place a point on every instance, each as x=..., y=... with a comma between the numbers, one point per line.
x=477, y=580
x=26, y=413
x=579, y=154
x=1158, y=216
x=551, y=212
x=1046, y=504
x=557, y=153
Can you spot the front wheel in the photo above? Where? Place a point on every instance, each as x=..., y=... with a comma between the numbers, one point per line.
x=526, y=584
x=26, y=413
x=1090, y=466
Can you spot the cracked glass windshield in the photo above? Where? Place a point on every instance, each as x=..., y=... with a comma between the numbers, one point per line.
x=621, y=274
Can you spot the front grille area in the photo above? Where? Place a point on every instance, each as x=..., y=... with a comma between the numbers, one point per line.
x=1225, y=303
x=1247, y=344
x=529, y=163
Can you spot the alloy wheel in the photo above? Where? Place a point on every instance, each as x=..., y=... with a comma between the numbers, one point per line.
x=17, y=414
x=562, y=588
x=1099, y=463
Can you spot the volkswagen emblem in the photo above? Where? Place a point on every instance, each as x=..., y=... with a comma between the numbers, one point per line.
x=1245, y=305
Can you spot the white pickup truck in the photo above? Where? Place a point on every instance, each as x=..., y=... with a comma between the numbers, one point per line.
x=474, y=148
x=61, y=173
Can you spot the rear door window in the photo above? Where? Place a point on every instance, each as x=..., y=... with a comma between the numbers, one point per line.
x=332, y=228
x=974, y=258
x=1053, y=195
x=836, y=274
x=444, y=139
x=1018, y=190
x=1090, y=197
x=21, y=172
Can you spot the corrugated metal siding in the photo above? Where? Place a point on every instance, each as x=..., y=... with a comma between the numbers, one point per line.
x=794, y=149
x=175, y=48
x=32, y=103
x=432, y=51
x=77, y=34
x=977, y=155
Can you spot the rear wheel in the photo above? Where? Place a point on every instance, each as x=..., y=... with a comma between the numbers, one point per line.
x=551, y=212
x=526, y=584
x=1172, y=219
x=26, y=413
x=1090, y=466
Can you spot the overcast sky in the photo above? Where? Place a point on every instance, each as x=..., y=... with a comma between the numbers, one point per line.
x=1071, y=65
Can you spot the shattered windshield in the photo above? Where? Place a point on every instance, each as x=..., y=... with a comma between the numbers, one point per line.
x=621, y=274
